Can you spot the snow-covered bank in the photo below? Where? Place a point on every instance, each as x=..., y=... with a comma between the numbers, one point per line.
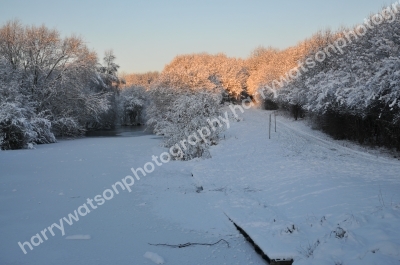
x=303, y=195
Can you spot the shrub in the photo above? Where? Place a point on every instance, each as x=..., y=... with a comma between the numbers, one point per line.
x=68, y=127
x=177, y=114
x=42, y=128
x=15, y=130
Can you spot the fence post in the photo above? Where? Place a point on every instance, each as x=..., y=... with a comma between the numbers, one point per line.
x=275, y=120
x=269, y=127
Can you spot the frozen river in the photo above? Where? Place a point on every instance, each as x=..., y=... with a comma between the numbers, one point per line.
x=39, y=187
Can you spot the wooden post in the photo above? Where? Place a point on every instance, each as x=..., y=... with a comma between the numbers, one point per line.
x=269, y=127
x=275, y=120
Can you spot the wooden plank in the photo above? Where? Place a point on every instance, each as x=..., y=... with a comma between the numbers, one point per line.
x=276, y=261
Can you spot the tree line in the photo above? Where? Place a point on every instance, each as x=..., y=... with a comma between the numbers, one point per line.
x=353, y=95
x=52, y=86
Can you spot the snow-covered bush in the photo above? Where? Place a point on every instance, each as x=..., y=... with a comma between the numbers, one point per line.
x=67, y=127
x=188, y=114
x=42, y=128
x=15, y=129
x=161, y=100
x=176, y=114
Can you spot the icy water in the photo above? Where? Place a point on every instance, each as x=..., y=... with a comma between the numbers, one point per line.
x=43, y=186
x=124, y=131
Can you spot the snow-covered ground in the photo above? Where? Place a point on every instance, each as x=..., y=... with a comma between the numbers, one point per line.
x=305, y=196
x=299, y=195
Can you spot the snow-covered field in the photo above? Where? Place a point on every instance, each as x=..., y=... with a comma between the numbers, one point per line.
x=299, y=195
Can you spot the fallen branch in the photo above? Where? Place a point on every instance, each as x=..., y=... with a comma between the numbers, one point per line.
x=190, y=244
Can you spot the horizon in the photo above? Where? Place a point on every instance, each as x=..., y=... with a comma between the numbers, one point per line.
x=161, y=32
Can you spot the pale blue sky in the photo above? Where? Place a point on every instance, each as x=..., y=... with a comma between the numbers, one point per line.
x=146, y=35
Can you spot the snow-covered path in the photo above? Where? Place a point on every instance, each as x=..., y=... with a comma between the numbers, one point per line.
x=299, y=194
x=305, y=196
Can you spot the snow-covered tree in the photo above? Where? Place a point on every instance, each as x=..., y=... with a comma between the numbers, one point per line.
x=46, y=80
x=355, y=95
x=132, y=101
x=145, y=80
x=109, y=70
x=186, y=113
x=206, y=71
